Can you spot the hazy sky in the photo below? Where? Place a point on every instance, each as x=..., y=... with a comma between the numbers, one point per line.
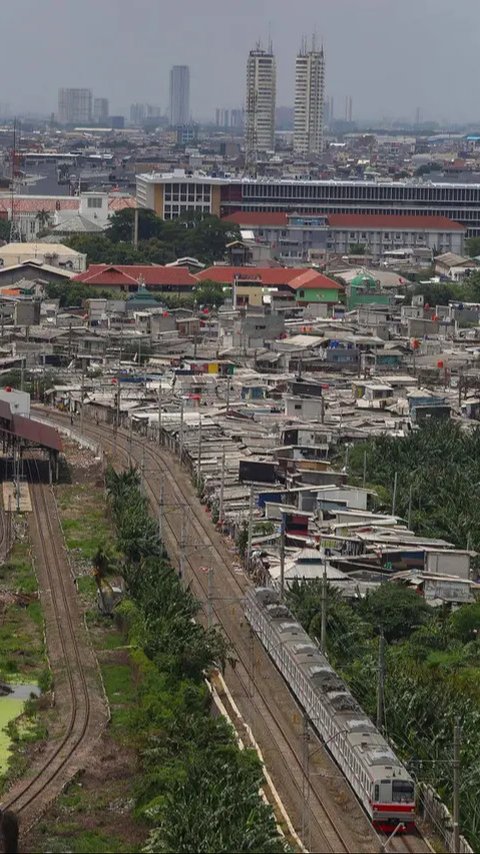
x=392, y=56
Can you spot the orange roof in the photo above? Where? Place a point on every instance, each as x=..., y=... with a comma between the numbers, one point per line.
x=292, y=277
x=105, y=275
x=246, y=218
x=393, y=221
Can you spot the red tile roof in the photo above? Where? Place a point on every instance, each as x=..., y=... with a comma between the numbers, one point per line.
x=270, y=276
x=118, y=203
x=393, y=221
x=259, y=218
x=347, y=220
x=49, y=204
x=105, y=275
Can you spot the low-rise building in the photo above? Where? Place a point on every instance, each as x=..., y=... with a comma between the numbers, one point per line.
x=130, y=277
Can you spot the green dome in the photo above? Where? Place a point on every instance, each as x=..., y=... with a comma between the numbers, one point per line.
x=363, y=280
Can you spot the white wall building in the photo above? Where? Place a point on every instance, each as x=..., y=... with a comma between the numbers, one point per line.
x=74, y=106
x=260, y=103
x=100, y=110
x=309, y=101
x=179, y=95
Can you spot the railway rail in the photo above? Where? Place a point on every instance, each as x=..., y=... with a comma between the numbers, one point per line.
x=323, y=807
x=79, y=701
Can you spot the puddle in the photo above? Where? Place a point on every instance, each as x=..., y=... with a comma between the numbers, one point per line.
x=11, y=706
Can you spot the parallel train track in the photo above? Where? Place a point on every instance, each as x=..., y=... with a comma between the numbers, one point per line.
x=70, y=664
x=325, y=821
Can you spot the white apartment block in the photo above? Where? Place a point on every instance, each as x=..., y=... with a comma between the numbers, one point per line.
x=260, y=103
x=179, y=95
x=74, y=106
x=309, y=102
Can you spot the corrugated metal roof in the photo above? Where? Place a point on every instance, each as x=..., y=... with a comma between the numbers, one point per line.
x=34, y=431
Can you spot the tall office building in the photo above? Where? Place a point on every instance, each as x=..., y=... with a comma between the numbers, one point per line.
x=74, y=106
x=260, y=103
x=179, y=95
x=309, y=101
x=100, y=109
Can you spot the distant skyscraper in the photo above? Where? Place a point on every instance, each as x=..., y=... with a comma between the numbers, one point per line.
x=260, y=103
x=179, y=95
x=309, y=101
x=100, y=109
x=74, y=106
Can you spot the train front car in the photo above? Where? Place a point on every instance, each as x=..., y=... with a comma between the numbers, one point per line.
x=393, y=798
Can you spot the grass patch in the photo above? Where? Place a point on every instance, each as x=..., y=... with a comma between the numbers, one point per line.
x=75, y=840
x=84, y=519
x=22, y=653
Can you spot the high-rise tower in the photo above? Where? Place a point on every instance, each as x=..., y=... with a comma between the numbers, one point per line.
x=260, y=103
x=309, y=101
x=74, y=106
x=179, y=95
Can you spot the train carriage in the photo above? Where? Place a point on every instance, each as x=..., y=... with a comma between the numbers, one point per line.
x=375, y=774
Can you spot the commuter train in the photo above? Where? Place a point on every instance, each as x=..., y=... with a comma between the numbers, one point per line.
x=378, y=778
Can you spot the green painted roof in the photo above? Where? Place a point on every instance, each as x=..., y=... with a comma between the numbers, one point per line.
x=363, y=280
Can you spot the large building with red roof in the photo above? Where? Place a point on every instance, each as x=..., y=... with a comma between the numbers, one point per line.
x=127, y=278
x=312, y=236
x=174, y=193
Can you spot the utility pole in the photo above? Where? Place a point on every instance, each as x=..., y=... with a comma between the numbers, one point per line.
x=142, y=469
x=160, y=413
x=323, y=624
x=183, y=542
x=209, y=597
x=394, y=496
x=181, y=430
x=222, y=486
x=282, y=558
x=322, y=410
x=160, y=516
x=135, y=229
x=364, y=467
x=82, y=395
x=305, y=776
x=381, y=681
x=199, y=453
x=409, y=517
x=456, y=786
x=228, y=394
x=250, y=526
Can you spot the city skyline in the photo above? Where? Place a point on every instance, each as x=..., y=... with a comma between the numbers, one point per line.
x=385, y=76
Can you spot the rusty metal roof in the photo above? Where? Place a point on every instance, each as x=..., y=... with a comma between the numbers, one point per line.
x=35, y=431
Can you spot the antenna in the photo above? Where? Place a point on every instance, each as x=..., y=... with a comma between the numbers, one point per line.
x=270, y=43
x=15, y=234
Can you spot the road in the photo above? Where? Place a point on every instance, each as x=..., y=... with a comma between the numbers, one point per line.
x=81, y=711
x=323, y=809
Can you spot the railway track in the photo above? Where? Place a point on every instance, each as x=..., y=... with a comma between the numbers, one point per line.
x=79, y=703
x=326, y=810
x=331, y=819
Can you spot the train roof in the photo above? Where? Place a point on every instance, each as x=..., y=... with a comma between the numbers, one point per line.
x=370, y=747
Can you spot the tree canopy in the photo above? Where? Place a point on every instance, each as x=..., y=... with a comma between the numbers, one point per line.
x=194, y=234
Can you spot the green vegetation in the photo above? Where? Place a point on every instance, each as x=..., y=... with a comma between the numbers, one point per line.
x=197, y=789
x=444, y=292
x=194, y=234
x=22, y=660
x=433, y=657
x=21, y=629
x=472, y=246
x=439, y=466
x=432, y=675
x=84, y=523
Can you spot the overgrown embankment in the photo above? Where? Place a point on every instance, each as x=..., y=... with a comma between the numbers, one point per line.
x=198, y=790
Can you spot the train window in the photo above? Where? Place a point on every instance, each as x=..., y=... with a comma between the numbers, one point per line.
x=402, y=790
x=377, y=792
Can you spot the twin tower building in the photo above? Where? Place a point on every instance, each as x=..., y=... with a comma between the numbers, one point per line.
x=261, y=101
